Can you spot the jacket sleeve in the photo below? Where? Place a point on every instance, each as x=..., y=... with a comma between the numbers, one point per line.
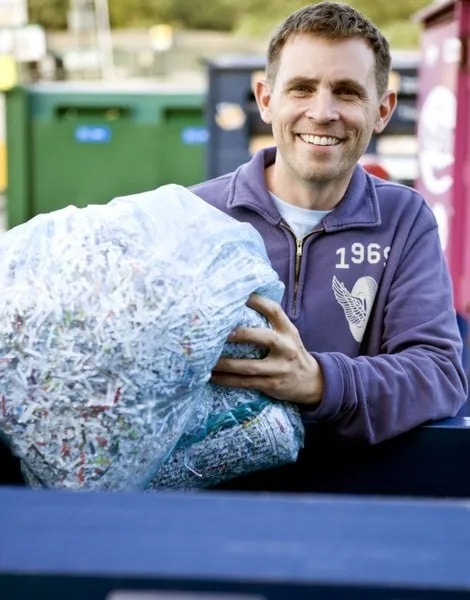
x=416, y=374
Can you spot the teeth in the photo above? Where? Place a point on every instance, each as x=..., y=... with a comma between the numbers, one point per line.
x=319, y=140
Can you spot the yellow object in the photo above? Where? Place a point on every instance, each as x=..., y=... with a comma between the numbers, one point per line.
x=161, y=37
x=8, y=72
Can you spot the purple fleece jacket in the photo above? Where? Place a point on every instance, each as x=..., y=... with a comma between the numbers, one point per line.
x=370, y=293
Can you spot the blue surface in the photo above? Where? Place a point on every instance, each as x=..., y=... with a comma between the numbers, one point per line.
x=225, y=540
x=431, y=461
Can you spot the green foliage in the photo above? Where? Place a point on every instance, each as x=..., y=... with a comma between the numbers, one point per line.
x=253, y=17
x=217, y=15
x=383, y=13
x=395, y=18
x=51, y=14
x=403, y=34
x=138, y=13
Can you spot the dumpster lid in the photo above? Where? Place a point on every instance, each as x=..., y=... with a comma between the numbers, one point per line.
x=130, y=86
x=237, y=61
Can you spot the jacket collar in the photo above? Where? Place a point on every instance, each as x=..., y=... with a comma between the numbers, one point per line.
x=359, y=206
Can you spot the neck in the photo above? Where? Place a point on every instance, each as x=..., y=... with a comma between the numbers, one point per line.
x=312, y=195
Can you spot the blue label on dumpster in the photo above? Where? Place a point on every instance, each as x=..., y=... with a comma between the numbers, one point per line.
x=93, y=134
x=194, y=135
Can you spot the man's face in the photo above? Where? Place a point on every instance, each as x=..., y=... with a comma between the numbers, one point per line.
x=323, y=107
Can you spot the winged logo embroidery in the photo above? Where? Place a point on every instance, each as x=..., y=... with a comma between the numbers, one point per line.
x=357, y=303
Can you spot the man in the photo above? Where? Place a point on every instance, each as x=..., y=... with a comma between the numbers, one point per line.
x=366, y=338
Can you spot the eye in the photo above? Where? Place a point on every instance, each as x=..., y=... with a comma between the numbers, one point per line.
x=348, y=92
x=300, y=88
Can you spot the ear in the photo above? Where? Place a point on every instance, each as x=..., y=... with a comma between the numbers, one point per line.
x=386, y=108
x=262, y=93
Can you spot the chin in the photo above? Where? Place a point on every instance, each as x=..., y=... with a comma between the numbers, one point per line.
x=322, y=175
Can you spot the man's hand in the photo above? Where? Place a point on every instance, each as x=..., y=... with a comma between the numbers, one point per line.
x=288, y=371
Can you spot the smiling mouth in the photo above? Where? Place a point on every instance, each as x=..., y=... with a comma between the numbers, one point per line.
x=319, y=140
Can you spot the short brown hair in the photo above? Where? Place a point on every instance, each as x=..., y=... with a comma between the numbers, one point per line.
x=332, y=21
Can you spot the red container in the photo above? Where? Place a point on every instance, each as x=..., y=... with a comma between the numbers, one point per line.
x=443, y=131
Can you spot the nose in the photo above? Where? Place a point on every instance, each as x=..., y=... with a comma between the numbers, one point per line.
x=322, y=107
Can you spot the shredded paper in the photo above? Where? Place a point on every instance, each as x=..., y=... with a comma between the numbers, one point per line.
x=111, y=320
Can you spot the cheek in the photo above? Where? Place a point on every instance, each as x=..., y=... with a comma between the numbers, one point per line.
x=283, y=108
x=367, y=119
x=292, y=114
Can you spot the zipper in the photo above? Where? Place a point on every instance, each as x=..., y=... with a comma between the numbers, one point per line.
x=299, y=247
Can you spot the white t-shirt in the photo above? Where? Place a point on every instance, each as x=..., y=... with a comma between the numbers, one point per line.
x=302, y=221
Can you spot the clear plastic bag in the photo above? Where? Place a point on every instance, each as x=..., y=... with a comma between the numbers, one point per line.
x=111, y=320
x=244, y=431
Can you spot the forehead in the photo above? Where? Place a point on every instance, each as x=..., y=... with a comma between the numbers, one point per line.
x=309, y=56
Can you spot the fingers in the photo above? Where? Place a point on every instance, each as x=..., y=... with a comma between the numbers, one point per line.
x=287, y=372
x=253, y=335
x=242, y=366
x=271, y=310
x=270, y=339
x=237, y=381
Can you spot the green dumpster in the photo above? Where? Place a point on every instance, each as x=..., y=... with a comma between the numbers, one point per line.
x=71, y=143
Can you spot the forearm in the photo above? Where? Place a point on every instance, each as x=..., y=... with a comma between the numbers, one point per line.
x=376, y=398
